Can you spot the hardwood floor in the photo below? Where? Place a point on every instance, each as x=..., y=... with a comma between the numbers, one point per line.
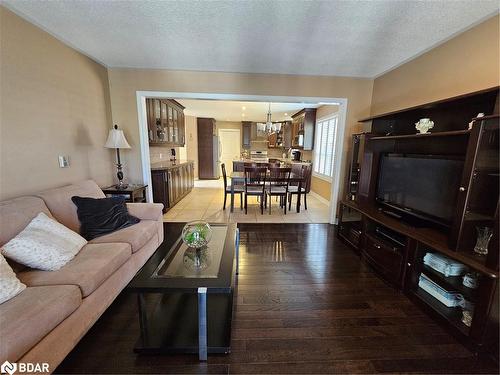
x=306, y=304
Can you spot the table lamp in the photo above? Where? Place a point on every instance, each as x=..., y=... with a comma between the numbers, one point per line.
x=116, y=139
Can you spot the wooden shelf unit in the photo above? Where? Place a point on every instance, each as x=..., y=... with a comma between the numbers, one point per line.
x=402, y=266
x=428, y=236
x=422, y=136
x=477, y=205
x=166, y=122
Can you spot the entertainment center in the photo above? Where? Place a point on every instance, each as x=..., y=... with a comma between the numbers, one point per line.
x=418, y=206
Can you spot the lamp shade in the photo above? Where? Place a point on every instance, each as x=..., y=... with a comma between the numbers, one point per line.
x=116, y=139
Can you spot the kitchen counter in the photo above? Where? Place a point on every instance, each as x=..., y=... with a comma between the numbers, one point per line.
x=167, y=164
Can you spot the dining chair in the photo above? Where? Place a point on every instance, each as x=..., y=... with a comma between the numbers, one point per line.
x=255, y=185
x=274, y=163
x=305, y=171
x=238, y=189
x=279, y=179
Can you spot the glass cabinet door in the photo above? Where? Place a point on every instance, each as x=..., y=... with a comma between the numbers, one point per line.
x=350, y=225
x=165, y=119
x=479, y=190
x=170, y=124
x=175, y=134
x=161, y=135
x=182, y=129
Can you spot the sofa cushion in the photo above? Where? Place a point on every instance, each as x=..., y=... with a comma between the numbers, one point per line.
x=102, y=216
x=88, y=270
x=10, y=286
x=16, y=213
x=60, y=205
x=44, y=244
x=136, y=235
x=29, y=316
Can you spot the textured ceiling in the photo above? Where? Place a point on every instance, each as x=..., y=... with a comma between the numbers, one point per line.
x=346, y=38
x=225, y=110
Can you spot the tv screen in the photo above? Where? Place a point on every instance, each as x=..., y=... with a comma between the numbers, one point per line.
x=420, y=184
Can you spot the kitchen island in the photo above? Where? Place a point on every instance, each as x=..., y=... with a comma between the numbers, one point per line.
x=171, y=181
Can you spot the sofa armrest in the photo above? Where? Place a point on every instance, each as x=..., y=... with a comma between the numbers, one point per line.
x=146, y=211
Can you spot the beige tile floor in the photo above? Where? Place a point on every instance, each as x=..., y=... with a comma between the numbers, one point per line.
x=206, y=199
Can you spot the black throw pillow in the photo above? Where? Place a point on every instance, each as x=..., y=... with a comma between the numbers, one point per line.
x=102, y=216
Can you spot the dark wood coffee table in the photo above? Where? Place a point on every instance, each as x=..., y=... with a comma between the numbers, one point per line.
x=184, y=309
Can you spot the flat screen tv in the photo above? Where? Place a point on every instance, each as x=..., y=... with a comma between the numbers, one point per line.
x=422, y=186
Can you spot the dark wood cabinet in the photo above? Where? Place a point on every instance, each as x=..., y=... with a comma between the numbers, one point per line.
x=478, y=195
x=396, y=251
x=354, y=165
x=350, y=226
x=287, y=134
x=396, y=247
x=246, y=134
x=208, y=149
x=303, y=125
x=172, y=184
x=165, y=122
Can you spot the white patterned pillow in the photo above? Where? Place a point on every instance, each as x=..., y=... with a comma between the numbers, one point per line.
x=44, y=244
x=10, y=286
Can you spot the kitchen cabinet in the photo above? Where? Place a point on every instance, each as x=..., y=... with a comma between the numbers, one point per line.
x=246, y=134
x=287, y=134
x=277, y=139
x=208, y=149
x=171, y=183
x=165, y=119
x=303, y=124
x=272, y=140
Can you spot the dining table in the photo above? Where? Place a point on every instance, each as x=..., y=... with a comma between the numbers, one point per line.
x=238, y=178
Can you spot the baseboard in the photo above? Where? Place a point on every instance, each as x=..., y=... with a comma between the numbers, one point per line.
x=320, y=198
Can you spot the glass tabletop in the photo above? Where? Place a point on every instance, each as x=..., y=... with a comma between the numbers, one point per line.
x=186, y=262
x=175, y=268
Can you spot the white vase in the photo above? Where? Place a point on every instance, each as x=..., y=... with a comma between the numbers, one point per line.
x=423, y=125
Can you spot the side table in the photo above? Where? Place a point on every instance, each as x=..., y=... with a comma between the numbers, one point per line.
x=132, y=193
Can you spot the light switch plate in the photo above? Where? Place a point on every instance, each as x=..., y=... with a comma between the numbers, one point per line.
x=63, y=161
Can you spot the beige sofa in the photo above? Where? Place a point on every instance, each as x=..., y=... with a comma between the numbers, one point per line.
x=45, y=321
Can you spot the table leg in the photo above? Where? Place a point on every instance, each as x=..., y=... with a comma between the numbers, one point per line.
x=232, y=196
x=237, y=251
x=143, y=322
x=298, y=196
x=202, y=324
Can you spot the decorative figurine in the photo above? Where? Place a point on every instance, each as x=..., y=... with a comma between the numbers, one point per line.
x=423, y=125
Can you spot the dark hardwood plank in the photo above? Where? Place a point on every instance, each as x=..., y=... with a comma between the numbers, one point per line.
x=315, y=308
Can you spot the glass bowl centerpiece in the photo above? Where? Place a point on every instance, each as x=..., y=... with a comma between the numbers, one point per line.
x=196, y=235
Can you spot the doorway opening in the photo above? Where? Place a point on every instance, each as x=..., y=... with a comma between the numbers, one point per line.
x=229, y=146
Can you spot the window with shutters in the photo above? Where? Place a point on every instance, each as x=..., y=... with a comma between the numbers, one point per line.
x=324, y=147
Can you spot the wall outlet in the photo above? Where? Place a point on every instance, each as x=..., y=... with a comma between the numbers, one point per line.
x=63, y=161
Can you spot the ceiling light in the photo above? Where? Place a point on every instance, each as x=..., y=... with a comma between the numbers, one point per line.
x=243, y=108
x=270, y=127
x=286, y=114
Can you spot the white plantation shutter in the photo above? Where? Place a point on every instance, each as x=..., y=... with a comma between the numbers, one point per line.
x=324, y=148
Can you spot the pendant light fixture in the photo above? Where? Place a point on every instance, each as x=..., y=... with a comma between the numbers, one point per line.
x=269, y=123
